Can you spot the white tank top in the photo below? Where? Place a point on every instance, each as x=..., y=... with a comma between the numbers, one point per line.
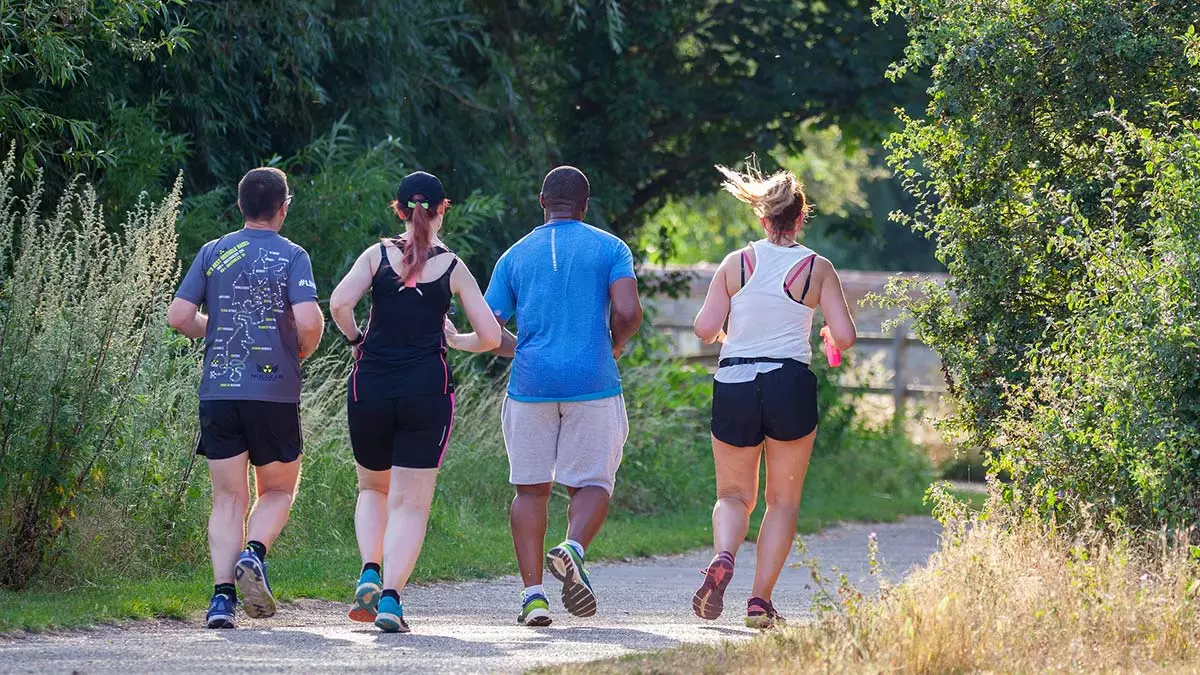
x=764, y=321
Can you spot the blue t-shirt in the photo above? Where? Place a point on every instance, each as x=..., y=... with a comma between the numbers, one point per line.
x=555, y=280
x=248, y=280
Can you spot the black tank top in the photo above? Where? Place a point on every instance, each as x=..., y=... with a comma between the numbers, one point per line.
x=404, y=351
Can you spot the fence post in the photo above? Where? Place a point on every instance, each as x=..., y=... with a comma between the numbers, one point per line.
x=899, y=386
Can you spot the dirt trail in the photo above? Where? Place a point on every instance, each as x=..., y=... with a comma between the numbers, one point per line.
x=470, y=626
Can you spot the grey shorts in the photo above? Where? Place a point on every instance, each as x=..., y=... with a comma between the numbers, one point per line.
x=576, y=444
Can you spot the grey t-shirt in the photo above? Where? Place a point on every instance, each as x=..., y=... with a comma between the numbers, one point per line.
x=249, y=281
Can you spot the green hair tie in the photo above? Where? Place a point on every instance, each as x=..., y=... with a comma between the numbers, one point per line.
x=413, y=205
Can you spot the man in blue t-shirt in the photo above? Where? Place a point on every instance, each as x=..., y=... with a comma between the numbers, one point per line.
x=262, y=318
x=572, y=289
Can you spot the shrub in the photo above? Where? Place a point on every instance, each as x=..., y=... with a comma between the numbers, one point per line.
x=1058, y=170
x=90, y=382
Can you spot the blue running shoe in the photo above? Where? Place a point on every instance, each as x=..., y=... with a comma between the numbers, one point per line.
x=390, y=616
x=220, y=612
x=250, y=574
x=567, y=566
x=366, y=597
x=535, y=610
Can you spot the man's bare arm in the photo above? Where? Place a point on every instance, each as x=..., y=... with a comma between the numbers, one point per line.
x=310, y=325
x=508, y=342
x=625, y=316
x=186, y=318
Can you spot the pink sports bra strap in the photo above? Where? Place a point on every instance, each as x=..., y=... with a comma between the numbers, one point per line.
x=808, y=262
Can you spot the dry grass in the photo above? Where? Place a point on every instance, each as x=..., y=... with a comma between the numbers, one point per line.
x=1002, y=595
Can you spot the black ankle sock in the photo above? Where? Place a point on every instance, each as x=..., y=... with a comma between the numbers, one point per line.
x=259, y=549
x=374, y=567
x=226, y=589
x=391, y=593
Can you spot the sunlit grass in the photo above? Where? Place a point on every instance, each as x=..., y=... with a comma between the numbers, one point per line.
x=1003, y=594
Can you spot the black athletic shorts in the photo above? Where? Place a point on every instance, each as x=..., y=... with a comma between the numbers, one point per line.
x=781, y=405
x=269, y=431
x=410, y=432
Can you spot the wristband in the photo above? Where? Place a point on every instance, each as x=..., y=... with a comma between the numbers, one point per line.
x=356, y=341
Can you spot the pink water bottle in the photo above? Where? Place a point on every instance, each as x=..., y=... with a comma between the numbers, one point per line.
x=832, y=353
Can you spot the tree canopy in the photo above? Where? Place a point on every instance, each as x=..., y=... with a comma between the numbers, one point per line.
x=489, y=94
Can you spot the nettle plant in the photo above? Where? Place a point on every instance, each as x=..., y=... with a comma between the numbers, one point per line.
x=1058, y=172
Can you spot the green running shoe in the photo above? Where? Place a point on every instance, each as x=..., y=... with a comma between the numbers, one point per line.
x=366, y=597
x=567, y=566
x=535, y=610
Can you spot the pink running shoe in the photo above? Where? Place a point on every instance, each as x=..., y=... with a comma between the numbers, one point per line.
x=709, y=600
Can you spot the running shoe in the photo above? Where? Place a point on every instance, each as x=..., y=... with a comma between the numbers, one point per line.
x=390, y=616
x=567, y=566
x=250, y=574
x=709, y=600
x=220, y=612
x=366, y=597
x=761, y=614
x=535, y=610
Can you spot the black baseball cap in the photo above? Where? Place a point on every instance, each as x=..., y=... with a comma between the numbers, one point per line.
x=420, y=183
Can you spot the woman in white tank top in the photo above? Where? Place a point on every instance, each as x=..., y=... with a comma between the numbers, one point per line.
x=764, y=393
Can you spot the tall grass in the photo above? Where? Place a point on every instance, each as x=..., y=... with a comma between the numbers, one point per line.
x=89, y=379
x=857, y=471
x=667, y=463
x=1005, y=593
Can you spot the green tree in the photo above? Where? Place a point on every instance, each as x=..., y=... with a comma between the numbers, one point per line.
x=852, y=193
x=51, y=47
x=701, y=82
x=489, y=94
x=1057, y=171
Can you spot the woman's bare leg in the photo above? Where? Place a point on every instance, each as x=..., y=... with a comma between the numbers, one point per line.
x=371, y=513
x=737, y=492
x=787, y=463
x=409, y=499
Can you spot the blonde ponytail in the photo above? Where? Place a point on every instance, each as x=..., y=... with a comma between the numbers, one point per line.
x=778, y=198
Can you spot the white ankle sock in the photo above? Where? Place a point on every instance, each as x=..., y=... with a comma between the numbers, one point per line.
x=534, y=590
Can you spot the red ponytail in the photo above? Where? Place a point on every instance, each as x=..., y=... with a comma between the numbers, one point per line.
x=420, y=239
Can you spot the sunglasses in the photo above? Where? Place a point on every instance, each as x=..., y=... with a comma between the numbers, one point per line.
x=289, y=199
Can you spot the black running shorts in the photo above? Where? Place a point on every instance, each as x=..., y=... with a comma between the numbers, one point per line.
x=410, y=432
x=269, y=431
x=780, y=405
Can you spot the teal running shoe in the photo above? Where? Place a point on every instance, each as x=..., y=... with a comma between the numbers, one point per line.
x=567, y=566
x=535, y=610
x=250, y=575
x=366, y=597
x=389, y=616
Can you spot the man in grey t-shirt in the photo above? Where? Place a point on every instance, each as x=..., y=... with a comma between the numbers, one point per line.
x=262, y=318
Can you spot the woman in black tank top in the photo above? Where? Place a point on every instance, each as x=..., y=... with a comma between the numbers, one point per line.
x=400, y=392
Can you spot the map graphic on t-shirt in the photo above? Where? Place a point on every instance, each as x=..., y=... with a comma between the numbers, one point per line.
x=248, y=282
x=258, y=300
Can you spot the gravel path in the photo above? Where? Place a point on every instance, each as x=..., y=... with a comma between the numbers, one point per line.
x=469, y=626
